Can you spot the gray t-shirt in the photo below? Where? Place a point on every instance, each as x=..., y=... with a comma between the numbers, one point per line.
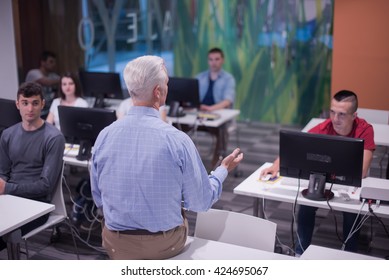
x=36, y=74
x=31, y=161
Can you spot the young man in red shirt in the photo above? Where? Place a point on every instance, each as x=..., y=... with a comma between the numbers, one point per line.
x=343, y=121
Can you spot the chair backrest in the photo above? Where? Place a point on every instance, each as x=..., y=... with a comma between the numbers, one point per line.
x=236, y=228
x=58, y=199
x=57, y=215
x=374, y=116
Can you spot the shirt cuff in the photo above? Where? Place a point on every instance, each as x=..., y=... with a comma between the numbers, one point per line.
x=7, y=188
x=220, y=173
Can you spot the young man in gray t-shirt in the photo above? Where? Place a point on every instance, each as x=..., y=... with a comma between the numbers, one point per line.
x=31, y=153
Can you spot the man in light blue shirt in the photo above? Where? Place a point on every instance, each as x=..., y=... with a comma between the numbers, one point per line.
x=144, y=171
x=216, y=86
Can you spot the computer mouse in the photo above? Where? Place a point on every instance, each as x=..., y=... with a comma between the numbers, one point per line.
x=266, y=177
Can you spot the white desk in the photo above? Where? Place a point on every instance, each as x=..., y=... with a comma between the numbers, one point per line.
x=202, y=249
x=191, y=118
x=314, y=252
x=75, y=162
x=70, y=153
x=16, y=212
x=381, y=131
x=285, y=190
x=216, y=127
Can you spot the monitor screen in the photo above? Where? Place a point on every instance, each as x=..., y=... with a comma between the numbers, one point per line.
x=321, y=158
x=9, y=114
x=101, y=85
x=83, y=125
x=185, y=91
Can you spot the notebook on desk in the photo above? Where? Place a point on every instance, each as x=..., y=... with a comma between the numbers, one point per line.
x=71, y=150
x=208, y=116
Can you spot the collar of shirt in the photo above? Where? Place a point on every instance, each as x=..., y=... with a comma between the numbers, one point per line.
x=143, y=110
x=220, y=74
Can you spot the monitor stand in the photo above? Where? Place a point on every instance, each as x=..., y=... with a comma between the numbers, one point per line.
x=99, y=102
x=316, y=188
x=175, y=110
x=84, y=153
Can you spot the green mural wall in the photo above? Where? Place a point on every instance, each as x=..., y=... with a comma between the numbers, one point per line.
x=278, y=51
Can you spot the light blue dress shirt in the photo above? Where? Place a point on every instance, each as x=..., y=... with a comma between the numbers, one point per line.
x=144, y=170
x=223, y=88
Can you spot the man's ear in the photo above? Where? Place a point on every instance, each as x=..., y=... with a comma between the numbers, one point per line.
x=17, y=104
x=157, y=91
x=43, y=103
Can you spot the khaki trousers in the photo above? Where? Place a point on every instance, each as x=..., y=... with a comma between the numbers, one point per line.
x=122, y=246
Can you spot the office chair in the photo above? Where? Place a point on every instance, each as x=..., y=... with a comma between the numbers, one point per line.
x=376, y=117
x=57, y=216
x=236, y=228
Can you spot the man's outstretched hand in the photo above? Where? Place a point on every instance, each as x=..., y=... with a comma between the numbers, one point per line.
x=232, y=160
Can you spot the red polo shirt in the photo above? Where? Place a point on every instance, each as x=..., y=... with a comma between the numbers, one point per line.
x=361, y=129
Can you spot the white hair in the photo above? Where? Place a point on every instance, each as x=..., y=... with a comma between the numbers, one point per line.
x=143, y=74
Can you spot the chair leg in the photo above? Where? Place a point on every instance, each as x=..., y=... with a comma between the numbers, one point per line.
x=27, y=252
x=56, y=234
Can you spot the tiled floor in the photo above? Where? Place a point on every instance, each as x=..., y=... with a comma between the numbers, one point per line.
x=259, y=143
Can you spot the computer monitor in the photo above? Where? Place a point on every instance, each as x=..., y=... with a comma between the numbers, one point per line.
x=83, y=125
x=101, y=85
x=320, y=159
x=185, y=91
x=9, y=114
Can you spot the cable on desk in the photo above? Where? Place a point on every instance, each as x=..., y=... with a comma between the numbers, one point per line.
x=333, y=214
x=277, y=237
x=293, y=224
x=73, y=201
x=93, y=221
x=378, y=218
x=77, y=233
x=352, y=230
